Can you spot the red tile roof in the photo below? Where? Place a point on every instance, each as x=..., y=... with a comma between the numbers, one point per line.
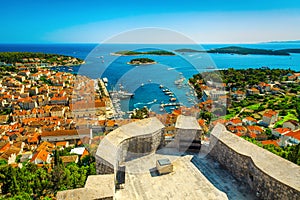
x=5, y=147
x=45, y=146
x=252, y=135
x=282, y=130
x=201, y=122
x=270, y=113
x=255, y=128
x=85, y=153
x=176, y=112
x=254, y=90
x=269, y=142
x=221, y=121
x=236, y=121
x=294, y=134
x=110, y=123
x=61, y=144
x=65, y=132
x=41, y=155
x=251, y=119
x=33, y=138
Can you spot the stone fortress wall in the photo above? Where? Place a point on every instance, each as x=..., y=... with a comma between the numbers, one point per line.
x=268, y=175
x=128, y=142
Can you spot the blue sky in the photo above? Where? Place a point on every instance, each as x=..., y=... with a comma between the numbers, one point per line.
x=204, y=21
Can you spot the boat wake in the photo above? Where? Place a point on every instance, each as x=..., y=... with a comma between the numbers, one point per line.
x=141, y=103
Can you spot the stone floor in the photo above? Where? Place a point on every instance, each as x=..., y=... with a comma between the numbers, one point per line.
x=222, y=179
x=193, y=177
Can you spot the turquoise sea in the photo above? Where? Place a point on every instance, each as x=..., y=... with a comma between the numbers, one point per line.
x=144, y=80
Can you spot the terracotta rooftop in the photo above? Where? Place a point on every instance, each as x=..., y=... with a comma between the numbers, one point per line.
x=65, y=132
x=269, y=142
x=255, y=128
x=5, y=147
x=270, y=113
x=251, y=119
x=236, y=120
x=254, y=90
x=294, y=134
x=41, y=155
x=45, y=146
x=282, y=130
x=61, y=144
x=9, y=152
x=85, y=153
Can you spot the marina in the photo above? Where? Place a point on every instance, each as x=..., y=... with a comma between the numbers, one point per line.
x=167, y=102
x=116, y=96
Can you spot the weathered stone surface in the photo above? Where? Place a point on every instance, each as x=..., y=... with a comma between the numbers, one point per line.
x=185, y=182
x=128, y=142
x=187, y=122
x=100, y=187
x=268, y=175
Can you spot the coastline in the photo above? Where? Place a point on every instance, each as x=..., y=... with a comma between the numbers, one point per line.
x=67, y=65
x=148, y=63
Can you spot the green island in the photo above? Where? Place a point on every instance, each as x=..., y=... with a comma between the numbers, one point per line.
x=254, y=94
x=242, y=51
x=189, y=51
x=37, y=59
x=141, y=61
x=134, y=53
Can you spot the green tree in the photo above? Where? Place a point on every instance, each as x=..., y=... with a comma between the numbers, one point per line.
x=294, y=155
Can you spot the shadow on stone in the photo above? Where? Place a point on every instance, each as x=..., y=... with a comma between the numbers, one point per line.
x=153, y=171
x=222, y=179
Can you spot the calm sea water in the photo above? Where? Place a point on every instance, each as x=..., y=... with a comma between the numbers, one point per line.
x=100, y=63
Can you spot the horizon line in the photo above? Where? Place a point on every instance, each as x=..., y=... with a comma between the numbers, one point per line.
x=197, y=43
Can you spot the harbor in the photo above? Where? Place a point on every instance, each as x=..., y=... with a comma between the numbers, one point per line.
x=165, y=100
x=116, y=96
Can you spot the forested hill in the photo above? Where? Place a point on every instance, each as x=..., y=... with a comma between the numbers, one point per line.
x=243, y=51
x=30, y=57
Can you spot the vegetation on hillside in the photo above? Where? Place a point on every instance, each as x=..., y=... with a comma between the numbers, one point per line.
x=285, y=100
x=30, y=57
x=140, y=113
x=138, y=61
x=156, y=52
x=33, y=182
x=243, y=51
x=291, y=153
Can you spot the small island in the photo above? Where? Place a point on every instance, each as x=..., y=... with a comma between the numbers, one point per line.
x=135, y=53
x=141, y=61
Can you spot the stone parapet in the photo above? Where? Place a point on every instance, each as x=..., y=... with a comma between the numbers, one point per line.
x=127, y=142
x=268, y=175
